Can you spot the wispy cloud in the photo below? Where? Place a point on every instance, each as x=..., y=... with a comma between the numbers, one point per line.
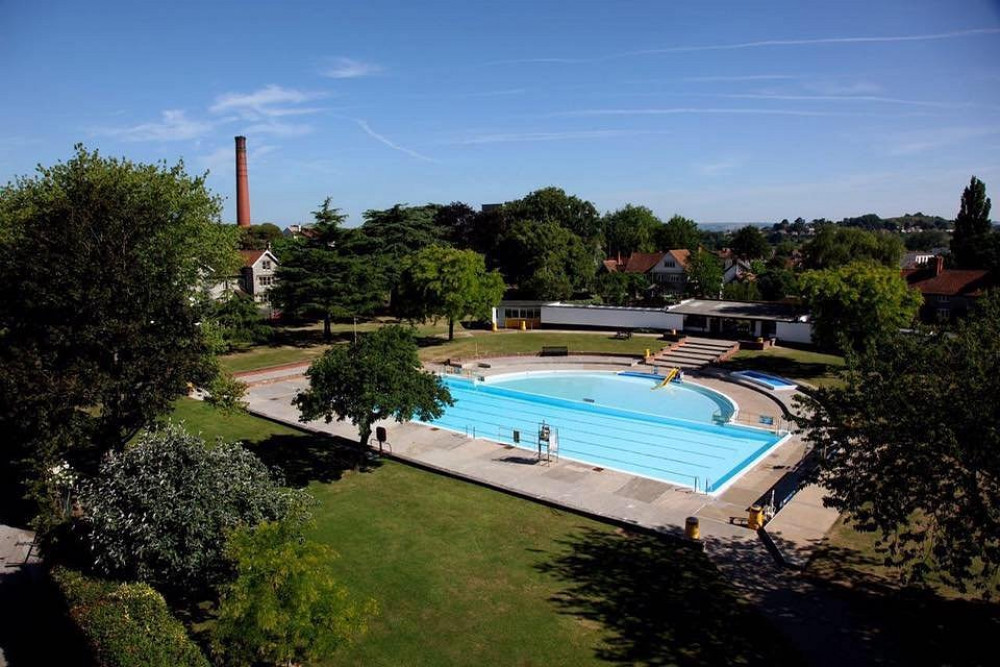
x=839, y=88
x=842, y=98
x=222, y=160
x=911, y=143
x=719, y=167
x=391, y=144
x=527, y=137
x=740, y=77
x=766, y=43
x=173, y=126
x=348, y=68
x=269, y=101
x=667, y=111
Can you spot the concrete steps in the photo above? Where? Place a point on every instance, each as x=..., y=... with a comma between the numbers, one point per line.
x=694, y=353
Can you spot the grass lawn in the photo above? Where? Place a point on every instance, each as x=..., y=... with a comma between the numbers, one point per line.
x=303, y=344
x=467, y=576
x=814, y=368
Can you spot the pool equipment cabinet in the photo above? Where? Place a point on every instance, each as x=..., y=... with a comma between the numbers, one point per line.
x=548, y=443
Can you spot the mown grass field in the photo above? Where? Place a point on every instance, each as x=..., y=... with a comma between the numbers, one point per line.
x=305, y=344
x=468, y=576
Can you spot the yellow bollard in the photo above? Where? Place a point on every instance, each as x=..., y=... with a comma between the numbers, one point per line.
x=494, y=326
x=648, y=355
x=524, y=325
x=755, y=517
x=692, y=530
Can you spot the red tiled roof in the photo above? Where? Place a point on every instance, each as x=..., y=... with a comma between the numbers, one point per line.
x=251, y=256
x=642, y=262
x=681, y=256
x=611, y=265
x=950, y=282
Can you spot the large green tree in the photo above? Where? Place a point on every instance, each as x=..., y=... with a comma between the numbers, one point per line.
x=835, y=246
x=911, y=448
x=750, y=243
x=678, y=233
x=972, y=228
x=545, y=260
x=327, y=276
x=552, y=204
x=102, y=260
x=388, y=236
x=446, y=282
x=630, y=229
x=378, y=376
x=704, y=274
x=857, y=303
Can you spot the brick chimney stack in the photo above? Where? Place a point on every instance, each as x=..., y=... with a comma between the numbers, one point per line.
x=938, y=265
x=242, y=184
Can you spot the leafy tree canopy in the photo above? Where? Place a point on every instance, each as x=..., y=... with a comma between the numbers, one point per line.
x=159, y=511
x=972, y=228
x=98, y=333
x=259, y=237
x=630, y=229
x=749, y=243
x=554, y=205
x=678, y=233
x=326, y=276
x=835, y=246
x=704, y=274
x=855, y=304
x=378, y=376
x=446, y=282
x=545, y=260
x=912, y=449
x=285, y=607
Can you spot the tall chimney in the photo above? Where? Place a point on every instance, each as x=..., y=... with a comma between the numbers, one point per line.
x=242, y=185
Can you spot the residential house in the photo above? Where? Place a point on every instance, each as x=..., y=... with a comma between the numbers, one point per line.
x=948, y=293
x=733, y=267
x=257, y=274
x=663, y=269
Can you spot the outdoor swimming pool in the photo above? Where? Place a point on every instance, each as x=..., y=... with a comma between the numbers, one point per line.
x=772, y=382
x=613, y=421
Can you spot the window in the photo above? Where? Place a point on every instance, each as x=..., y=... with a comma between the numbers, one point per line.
x=944, y=299
x=266, y=265
x=669, y=263
x=266, y=280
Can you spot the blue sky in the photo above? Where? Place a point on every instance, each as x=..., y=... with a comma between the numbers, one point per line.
x=721, y=111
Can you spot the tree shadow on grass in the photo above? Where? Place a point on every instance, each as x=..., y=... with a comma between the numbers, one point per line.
x=34, y=625
x=309, y=458
x=661, y=601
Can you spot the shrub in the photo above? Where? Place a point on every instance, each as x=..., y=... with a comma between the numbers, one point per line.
x=159, y=511
x=126, y=624
x=285, y=605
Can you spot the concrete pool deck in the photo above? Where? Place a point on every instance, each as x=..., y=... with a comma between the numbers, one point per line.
x=575, y=485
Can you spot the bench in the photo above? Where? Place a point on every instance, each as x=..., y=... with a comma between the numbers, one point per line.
x=554, y=351
x=623, y=334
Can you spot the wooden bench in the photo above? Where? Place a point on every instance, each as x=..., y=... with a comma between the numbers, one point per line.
x=623, y=334
x=554, y=351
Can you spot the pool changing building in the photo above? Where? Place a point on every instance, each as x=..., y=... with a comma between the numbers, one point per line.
x=735, y=319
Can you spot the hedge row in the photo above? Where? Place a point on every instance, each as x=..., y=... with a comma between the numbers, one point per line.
x=126, y=625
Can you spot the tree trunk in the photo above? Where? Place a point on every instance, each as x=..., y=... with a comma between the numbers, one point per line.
x=327, y=335
x=451, y=328
x=364, y=433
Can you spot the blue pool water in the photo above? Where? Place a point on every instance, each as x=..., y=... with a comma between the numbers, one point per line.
x=667, y=434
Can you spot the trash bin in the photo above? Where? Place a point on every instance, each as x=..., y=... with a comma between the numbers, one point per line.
x=692, y=530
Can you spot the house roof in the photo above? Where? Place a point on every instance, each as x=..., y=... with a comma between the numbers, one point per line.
x=681, y=256
x=642, y=262
x=741, y=310
x=949, y=282
x=611, y=265
x=250, y=257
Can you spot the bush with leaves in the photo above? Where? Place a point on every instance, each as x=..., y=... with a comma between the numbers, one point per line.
x=226, y=393
x=126, y=625
x=285, y=606
x=158, y=512
x=912, y=444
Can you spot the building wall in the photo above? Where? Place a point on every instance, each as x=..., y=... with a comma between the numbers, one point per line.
x=794, y=332
x=610, y=317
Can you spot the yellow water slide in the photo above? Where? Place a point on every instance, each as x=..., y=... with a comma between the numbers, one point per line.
x=671, y=374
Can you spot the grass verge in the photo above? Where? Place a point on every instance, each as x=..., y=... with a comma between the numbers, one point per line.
x=466, y=575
